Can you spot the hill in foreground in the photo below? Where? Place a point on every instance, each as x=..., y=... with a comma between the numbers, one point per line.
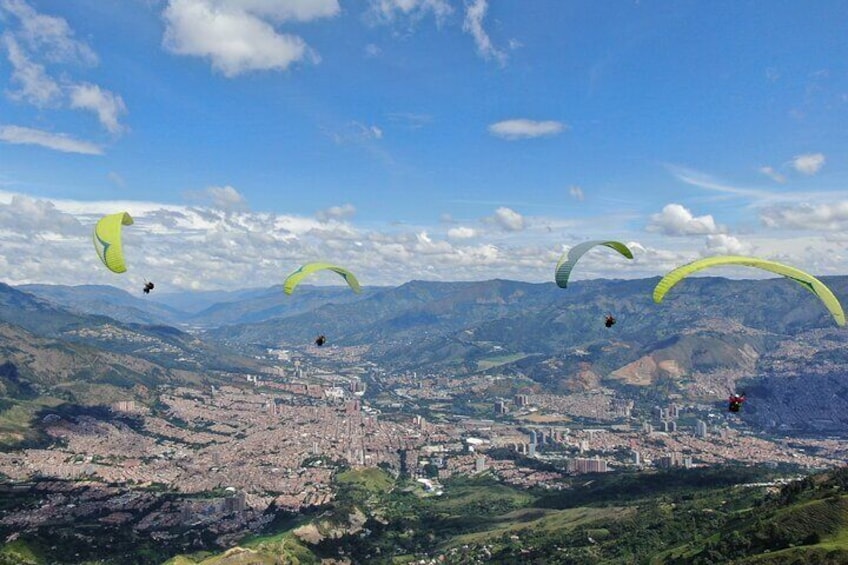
x=717, y=515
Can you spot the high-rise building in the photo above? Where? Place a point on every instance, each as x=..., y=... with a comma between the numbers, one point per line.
x=500, y=407
x=673, y=411
x=701, y=429
x=581, y=465
x=533, y=437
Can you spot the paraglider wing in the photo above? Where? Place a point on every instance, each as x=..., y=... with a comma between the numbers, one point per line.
x=305, y=270
x=569, y=258
x=806, y=280
x=107, y=240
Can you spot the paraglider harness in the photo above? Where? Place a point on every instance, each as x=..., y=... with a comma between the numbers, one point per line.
x=736, y=401
x=148, y=286
x=610, y=321
x=319, y=341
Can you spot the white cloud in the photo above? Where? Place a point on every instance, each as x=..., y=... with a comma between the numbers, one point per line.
x=236, y=41
x=49, y=35
x=40, y=40
x=285, y=10
x=36, y=87
x=220, y=197
x=723, y=244
x=117, y=179
x=336, y=212
x=677, y=220
x=524, y=129
x=390, y=10
x=832, y=216
x=473, y=24
x=372, y=50
x=808, y=164
x=106, y=105
x=357, y=132
x=508, y=219
x=461, y=232
x=57, y=141
x=773, y=174
x=576, y=193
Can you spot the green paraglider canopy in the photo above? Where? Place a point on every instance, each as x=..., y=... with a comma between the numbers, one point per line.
x=806, y=280
x=569, y=259
x=107, y=240
x=305, y=270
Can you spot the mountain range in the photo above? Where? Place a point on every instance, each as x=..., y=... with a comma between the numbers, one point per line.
x=708, y=337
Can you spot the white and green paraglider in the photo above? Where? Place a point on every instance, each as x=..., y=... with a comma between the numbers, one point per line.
x=305, y=270
x=806, y=280
x=107, y=243
x=107, y=240
x=570, y=258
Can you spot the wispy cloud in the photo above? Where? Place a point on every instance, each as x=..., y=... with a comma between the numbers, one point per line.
x=475, y=12
x=387, y=11
x=57, y=141
x=526, y=129
x=40, y=40
x=576, y=193
x=708, y=182
x=773, y=174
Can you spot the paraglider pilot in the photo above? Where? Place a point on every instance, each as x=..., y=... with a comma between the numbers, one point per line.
x=610, y=321
x=148, y=286
x=736, y=399
x=319, y=341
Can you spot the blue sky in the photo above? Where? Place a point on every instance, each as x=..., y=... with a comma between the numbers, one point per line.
x=419, y=139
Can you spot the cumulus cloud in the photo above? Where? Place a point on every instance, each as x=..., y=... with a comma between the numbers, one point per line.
x=461, y=232
x=201, y=247
x=336, y=212
x=234, y=39
x=475, y=12
x=676, y=220
x=808, y=164
x=57, y=141
x=508, y=219
x=773, y=174
x=525, y=129
x=576, y=193
x=220, y=197
x=831, y=216
x=28, y=217
x=723, y=244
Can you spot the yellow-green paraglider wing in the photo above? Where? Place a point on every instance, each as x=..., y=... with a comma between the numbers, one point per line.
x=305, y=270
x=806, y=280
x=107, y=240
x=567, y=261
